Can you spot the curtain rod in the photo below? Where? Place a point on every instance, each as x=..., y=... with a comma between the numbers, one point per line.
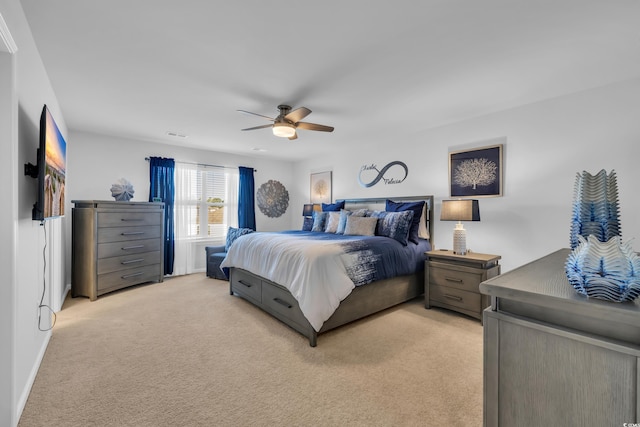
x=205, y=164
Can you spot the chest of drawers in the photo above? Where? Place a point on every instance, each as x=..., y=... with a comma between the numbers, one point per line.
x=115, y=245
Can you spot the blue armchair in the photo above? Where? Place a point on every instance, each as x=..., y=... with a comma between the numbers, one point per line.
x=215, y=255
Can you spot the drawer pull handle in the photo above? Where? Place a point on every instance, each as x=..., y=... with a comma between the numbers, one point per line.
x=453, y=297
x=126, y=248
x=132, y=233
x=127, y=276
x=133, y=261
x=131, y=219
x=242, y=282
x=453, y=279
x=282, y=302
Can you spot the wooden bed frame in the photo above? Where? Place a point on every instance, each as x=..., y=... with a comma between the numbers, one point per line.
x=363, y=301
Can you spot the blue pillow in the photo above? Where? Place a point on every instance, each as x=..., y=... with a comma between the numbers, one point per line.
x=319, y=219
x=416, y=207
x=233, y=233
x=395, y=225
x=307, y=225
x=333, y=207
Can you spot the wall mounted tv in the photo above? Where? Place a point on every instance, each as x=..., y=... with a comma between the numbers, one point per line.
x=50, y=170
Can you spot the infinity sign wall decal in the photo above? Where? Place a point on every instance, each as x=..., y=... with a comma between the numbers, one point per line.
x=381, y=174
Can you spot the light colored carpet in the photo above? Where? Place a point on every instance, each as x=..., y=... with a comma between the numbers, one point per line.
x=186, y=353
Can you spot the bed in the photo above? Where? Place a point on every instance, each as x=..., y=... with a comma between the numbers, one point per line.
x=315, y=281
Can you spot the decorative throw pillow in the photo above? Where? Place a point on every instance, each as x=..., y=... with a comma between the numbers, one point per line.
x=319, y=220
x=395, y=225
x=333, y=207
x=307, y=224
x=360, y=226
x=423, y=231
x=233, y=233
x=344, y=214
x=416, y=207
x=333, y=220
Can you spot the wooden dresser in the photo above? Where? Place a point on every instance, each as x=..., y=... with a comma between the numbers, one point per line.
x=115, y=245
x=553, y=357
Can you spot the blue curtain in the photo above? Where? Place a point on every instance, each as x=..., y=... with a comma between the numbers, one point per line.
x=162, y=185
x=246, y=199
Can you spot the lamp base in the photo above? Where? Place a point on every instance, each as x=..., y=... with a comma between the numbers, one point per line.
x=459, y=240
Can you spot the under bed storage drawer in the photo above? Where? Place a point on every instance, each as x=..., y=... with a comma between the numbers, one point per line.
x=246, y=285
x=282, y=302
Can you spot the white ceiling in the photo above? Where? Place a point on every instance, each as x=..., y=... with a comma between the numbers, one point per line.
x=376, y=71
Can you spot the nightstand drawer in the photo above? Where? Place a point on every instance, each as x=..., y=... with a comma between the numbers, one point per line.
x=455, y=297
x=454, y=276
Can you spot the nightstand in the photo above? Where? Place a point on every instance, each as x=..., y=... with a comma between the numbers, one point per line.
x=452, y=281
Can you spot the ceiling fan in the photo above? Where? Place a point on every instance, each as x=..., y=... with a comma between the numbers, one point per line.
x=288, y=121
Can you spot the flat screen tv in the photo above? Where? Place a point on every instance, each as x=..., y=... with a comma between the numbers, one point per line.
x=50, y=170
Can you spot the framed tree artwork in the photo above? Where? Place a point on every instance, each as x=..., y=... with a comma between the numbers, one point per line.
x=476, y=172
x=320, y=191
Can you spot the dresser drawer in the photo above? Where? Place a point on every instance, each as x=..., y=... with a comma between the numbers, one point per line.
x=128, y=219
x=108, y=265
x=122, y=234
x=282, y=302
x=246, y=285
x=455, y=297
x=452, y=276
x=108, y=250
x=128, y=277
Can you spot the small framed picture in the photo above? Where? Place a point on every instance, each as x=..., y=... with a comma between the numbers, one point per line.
x=320, y=191
x=476, y=172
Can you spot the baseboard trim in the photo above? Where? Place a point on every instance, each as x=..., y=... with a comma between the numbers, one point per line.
x=24, y=396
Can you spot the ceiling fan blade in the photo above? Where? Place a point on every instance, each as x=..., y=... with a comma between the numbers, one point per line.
x=295, y=136
x=313, y=126
x=298, y=114
x=258, y=127
x=255, y=114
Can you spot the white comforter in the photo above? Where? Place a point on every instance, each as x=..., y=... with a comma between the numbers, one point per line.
x=314, y=270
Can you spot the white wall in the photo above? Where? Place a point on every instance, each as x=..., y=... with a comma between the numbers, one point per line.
x=546, y=144
x=25, y=343
x=95, y=162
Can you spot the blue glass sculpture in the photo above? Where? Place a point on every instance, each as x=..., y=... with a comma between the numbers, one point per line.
x=600, y=265
x=605, y=270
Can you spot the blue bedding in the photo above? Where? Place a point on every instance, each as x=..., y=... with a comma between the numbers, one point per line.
x=380, y=257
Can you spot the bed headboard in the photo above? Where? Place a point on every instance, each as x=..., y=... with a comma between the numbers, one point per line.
x=379, y=203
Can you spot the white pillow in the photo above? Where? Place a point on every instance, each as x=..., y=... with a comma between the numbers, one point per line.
x=332, y=222
x=360, y=226
x=423, y=231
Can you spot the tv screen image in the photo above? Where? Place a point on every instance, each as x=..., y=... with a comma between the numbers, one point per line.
x=50, y=170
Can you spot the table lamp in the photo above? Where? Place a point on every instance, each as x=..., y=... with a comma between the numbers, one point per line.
x=307, y=210
x=460, y=210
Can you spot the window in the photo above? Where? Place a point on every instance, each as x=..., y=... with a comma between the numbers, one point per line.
x=206, y=201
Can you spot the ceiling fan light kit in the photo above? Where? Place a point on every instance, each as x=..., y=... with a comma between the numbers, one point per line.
x=284, y=130
x=288, y=121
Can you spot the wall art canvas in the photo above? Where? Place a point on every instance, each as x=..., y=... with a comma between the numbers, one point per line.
x=476, y=172
x=320, y=191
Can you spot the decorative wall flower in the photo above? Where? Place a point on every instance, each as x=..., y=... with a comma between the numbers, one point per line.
x=273, y=199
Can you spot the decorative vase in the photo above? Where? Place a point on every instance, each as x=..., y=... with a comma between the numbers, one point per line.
x=600, y=265
x=605, y=270
x=595, y=207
